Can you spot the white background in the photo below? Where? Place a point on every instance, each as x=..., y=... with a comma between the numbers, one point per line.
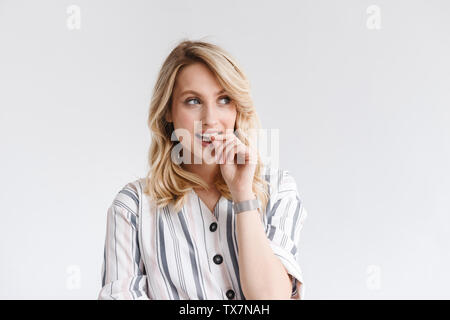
x=363, y=114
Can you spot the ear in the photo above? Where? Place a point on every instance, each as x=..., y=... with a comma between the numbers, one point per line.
x=168, y=116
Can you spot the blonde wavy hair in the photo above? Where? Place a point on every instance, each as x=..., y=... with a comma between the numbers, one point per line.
x=166, y=181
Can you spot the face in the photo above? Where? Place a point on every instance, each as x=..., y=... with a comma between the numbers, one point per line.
x=199, y=104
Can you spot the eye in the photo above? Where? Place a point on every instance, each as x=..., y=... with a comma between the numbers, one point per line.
x=226, y=98
x=191, y=99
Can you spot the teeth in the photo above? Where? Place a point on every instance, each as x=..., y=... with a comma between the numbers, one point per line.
x=206, y=136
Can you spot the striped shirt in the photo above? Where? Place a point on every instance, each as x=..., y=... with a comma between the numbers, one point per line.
x=156, y=253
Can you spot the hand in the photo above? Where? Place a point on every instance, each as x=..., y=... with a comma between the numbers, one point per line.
x=237, y=163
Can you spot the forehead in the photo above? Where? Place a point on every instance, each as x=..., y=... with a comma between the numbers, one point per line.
x=197, y=77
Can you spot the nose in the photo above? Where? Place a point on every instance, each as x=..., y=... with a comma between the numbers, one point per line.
x=209, y=116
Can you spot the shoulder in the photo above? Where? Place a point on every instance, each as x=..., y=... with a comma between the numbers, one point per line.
x=280, y=181
x=284, y=194
x=129, y=195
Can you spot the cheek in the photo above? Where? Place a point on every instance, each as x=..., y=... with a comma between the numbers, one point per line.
x=185, y=120
x=230, y=118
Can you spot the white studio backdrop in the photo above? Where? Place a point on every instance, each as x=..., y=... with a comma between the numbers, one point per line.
x=359, y=91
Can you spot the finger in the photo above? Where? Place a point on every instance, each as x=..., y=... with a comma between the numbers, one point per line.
x=208, y=152
x=217, y=146
x=242, y=154
x=219, y=150
x=224, y=136
x=231, y=152
x=232, y=136
x=225, y=149
x=249, y=151
x=242, y=151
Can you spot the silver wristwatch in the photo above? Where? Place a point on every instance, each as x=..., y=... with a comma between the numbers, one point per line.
x=246, y=205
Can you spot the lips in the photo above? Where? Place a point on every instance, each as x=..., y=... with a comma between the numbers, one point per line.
x=206, y=135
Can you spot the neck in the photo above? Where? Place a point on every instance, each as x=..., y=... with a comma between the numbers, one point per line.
x=207, y=172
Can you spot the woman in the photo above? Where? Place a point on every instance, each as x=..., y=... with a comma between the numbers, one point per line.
x=196, y=228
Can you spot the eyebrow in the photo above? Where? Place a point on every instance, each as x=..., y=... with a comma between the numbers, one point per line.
x=199, y=94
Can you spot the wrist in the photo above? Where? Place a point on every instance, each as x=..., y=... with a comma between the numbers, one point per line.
x=243, y=196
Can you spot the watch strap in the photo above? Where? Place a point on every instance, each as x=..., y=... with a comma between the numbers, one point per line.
x=247, y=205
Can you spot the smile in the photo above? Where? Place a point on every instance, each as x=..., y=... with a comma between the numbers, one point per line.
x=205, y=137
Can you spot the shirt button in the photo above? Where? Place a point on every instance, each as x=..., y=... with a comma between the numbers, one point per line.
x=213, y=227
x=230, y=294
x=217, y=259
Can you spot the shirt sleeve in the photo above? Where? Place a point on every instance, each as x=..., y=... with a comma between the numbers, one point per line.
x=285, y=217
x=123, y=273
